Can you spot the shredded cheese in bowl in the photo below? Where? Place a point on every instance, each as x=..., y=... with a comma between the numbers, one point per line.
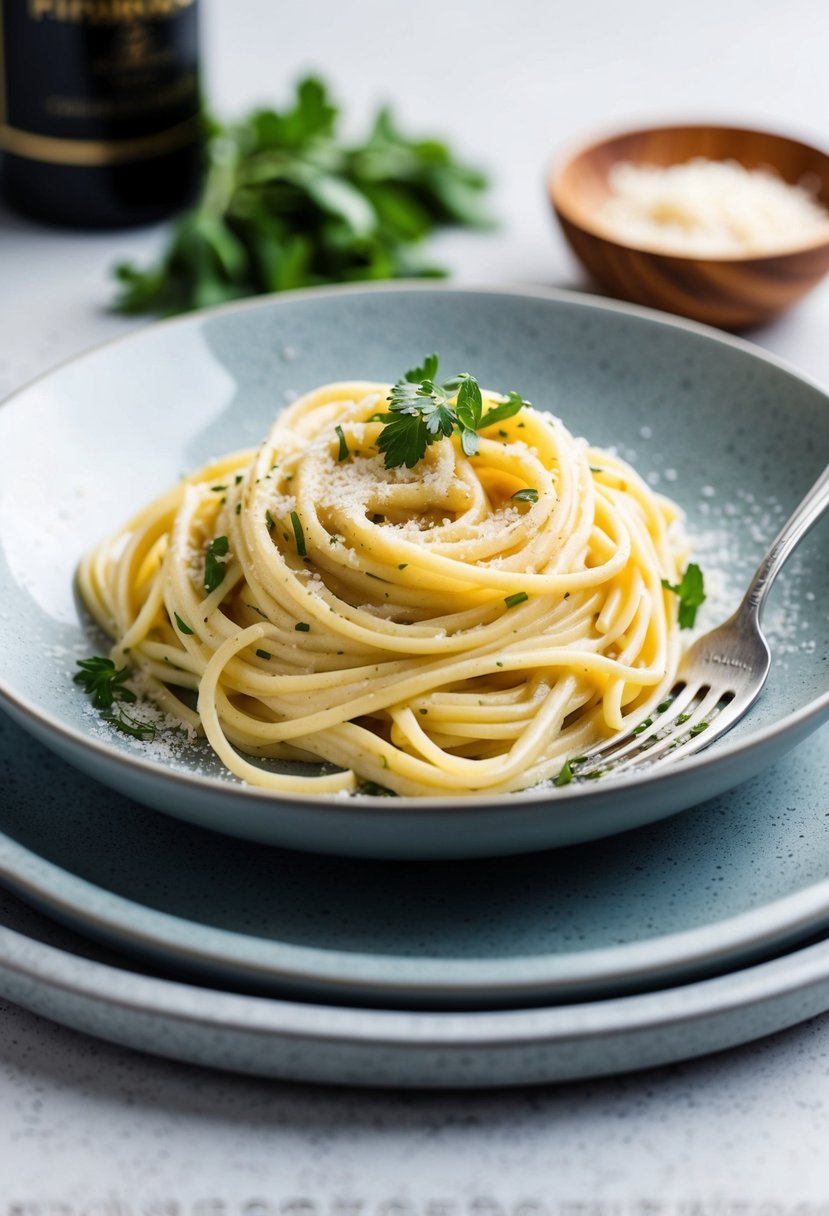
x=711, y=209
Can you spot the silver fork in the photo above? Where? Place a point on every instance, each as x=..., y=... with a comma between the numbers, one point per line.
x=721, y=674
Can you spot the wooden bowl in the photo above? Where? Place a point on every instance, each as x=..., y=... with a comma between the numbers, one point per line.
x=732, y=292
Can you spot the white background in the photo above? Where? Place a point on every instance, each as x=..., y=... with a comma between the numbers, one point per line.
x=89, y=1128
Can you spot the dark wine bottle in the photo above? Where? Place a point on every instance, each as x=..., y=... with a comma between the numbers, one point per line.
x=99, y=109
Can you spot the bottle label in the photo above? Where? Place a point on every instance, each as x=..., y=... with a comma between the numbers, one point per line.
x=98, y=81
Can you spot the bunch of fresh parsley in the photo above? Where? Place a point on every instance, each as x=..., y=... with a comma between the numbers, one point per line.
x=286, y=203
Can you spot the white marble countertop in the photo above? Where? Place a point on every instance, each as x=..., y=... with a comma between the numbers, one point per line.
x=88, y=1129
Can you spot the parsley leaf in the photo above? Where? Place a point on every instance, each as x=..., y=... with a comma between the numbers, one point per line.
x=103, y=681
x=507, y=409
x=691, y=592
x=420, y=413
x=528, y=495
x=427, y=371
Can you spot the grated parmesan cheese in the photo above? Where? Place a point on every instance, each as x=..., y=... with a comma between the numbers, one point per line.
x=711, y=208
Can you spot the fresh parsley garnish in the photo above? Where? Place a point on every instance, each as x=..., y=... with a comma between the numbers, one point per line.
x=286, y=202
x=302, y=627
x=214, y=570
x=528, y=495
x=263, y=654
x=421, y=411
x=691, y=592
x=105, y=684
x=520, y=597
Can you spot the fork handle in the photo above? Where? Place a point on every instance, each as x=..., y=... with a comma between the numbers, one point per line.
x=797, y=525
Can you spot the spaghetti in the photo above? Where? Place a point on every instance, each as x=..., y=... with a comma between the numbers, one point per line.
x=463, y=626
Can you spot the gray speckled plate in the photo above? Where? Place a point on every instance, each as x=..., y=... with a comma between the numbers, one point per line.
x=47, y=970
x=746, y=874
x=733, y=435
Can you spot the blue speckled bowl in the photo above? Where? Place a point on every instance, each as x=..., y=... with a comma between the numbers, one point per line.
x=729, y=432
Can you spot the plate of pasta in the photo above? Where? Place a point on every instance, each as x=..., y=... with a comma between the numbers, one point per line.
x=289, y=575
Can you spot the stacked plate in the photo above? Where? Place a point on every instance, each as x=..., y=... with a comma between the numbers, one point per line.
x=684, y=934
x=665, y=943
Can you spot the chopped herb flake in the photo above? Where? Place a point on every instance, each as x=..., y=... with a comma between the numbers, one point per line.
x=263, y=654
x=182, y=626
x=299, y=535
x=512, y=601
x=343, y=452
x=375, y=790
x=566, y=774
x=302, y=627
x=215, y=570
x=528, y=495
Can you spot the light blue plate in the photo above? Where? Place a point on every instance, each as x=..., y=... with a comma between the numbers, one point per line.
x=730, y=433
x=744, y=876
x=46, y=969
